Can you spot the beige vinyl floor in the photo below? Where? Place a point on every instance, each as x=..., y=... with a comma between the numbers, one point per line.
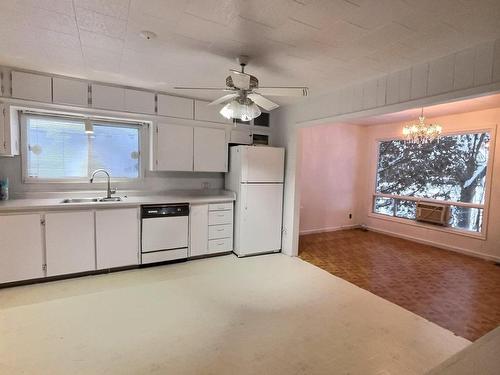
x=262, y=315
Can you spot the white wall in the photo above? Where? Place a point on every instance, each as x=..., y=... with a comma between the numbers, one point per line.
x=420, y=85
x=329, y=178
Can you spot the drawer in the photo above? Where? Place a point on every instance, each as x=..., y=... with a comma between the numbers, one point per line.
x=163, y=256
x=220, y=217
x=220, y=206
x=220, y=231
x=220, y=246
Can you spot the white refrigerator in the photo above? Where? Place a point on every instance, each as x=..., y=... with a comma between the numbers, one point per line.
x=256, y=175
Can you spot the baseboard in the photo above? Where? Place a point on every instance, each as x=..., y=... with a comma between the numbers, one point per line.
x=455, y=249
x=328, y=229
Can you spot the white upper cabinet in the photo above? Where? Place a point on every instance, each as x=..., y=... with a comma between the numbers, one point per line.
x=210, y=150
x=241, y=136
x=21, y=255
x=117, y=237
x=9, y=131
x=139, y=101
x=108, y=97
x=31, y=86
x=70, y=91
x=174, y=106
x=204, y=112
x=174, y=148
x=69, y=241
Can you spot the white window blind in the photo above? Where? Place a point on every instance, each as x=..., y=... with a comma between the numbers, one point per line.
x=57, y=148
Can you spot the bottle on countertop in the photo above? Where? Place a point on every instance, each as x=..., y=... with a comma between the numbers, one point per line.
x=4, y=188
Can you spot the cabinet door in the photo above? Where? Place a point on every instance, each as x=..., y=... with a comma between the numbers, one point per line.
x=174, y=106
x=210, y=150
x=204, y=112
x=108, y=97
x=3, y=140
x=174, y=148
x=69, y=239
x=117, y=237
x=70, y=91
x=31, y=87
x=241, y=136
x=138, y=101
x=198, y=229
x=21, y=249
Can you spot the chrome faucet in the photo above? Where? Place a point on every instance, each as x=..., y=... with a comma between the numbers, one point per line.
x=109, y=192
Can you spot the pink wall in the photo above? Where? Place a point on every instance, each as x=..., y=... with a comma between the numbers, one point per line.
x=328, y=177
x=489, y=247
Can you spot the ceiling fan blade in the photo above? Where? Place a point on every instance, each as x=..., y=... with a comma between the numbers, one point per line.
x=263, y=102
x=224, y=99
x=283, y=91
x=240, y=80
x=204, y=88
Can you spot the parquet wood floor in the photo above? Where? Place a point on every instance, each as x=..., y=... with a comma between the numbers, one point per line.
x=457, y=292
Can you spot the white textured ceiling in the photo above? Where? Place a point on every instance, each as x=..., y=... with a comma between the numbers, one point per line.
x=318, y=43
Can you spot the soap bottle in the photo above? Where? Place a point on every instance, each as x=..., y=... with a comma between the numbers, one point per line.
x=4, y=189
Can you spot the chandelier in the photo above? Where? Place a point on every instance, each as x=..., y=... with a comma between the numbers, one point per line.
x=421, y=132
x=242, y=108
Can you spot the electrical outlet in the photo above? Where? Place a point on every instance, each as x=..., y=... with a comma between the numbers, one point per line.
x=205, y=185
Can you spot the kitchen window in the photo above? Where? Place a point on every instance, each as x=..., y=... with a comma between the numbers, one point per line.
x=58, y=148
x=451, y=171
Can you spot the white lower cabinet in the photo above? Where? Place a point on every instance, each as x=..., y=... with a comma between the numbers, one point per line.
x=211, y=229
x=70, y=245
x=198, y=217
x=117, y=237
x=21, y=247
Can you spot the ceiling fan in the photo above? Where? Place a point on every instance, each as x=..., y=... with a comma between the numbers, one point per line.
x=246, y=96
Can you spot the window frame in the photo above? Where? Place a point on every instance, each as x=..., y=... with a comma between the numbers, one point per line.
x=122, y=123
x=482, y=235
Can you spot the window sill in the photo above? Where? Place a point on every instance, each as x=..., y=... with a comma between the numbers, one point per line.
x=477, y=236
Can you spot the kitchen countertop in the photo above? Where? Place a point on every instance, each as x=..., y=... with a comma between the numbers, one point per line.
x=174, y=196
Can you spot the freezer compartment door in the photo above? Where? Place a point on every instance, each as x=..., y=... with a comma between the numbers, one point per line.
x=262, y=164
x=161, y=233
x=259, y=220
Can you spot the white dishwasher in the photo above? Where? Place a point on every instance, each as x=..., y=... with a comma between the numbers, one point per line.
x=164, y=234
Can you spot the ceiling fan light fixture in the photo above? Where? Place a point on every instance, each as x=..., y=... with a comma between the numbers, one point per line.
x=245, y=110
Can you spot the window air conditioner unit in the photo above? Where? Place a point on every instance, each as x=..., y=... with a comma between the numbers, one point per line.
x=433, y=213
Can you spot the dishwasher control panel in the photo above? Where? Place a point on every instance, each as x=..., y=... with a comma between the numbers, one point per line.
x=165, y=210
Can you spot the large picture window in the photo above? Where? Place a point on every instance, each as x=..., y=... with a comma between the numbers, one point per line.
x=452, y=170
x=59, y=149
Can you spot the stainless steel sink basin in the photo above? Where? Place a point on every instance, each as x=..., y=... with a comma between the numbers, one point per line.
x=90, y=200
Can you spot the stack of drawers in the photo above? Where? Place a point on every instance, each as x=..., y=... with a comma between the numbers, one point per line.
x=220, y=227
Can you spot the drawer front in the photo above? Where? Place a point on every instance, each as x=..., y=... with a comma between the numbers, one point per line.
x=220, y=246
x=220, y=231
x=220, y=217
x=220, y=206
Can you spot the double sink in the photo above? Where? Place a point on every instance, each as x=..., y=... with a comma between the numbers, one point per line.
x=91, y=200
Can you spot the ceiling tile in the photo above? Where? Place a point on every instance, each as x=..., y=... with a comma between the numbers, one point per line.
x=217, y=11
x=89, y=39
x=49, y=20
x=114, y=8
x=98, y=23
x=272, y=14
x=59, y=6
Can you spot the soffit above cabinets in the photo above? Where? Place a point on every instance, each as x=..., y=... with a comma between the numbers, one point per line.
x=321, y=43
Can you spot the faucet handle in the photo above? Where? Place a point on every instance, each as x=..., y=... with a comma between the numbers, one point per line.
x=113, y=191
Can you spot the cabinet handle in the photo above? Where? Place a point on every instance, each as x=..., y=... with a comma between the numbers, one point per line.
x=220, y=215
x=220, y=244
x=220, y=230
